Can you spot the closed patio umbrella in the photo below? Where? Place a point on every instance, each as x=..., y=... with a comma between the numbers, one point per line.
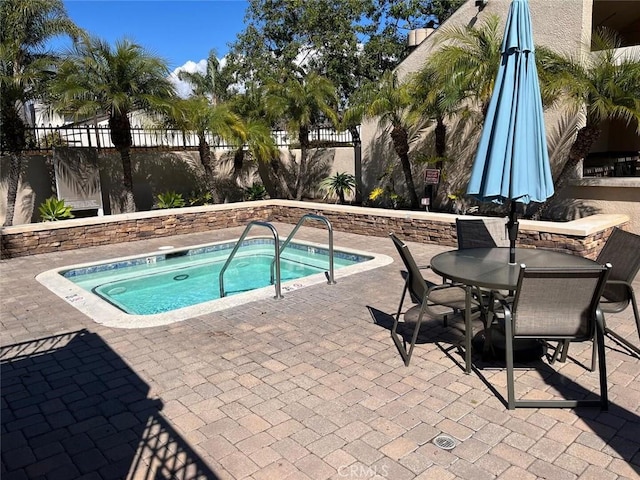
x=512, y=161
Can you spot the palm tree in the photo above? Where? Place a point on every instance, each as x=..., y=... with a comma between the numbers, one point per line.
x=439, y=97
x=27, y=26
x=339, y=184
x=203, y=113
x=250, y=107
x=393, y=104
x=196, y=114
x=214, y=83
x=460, y=76
x=97, y=78
x=469, y=59
x=302, y=103
x=604, y=85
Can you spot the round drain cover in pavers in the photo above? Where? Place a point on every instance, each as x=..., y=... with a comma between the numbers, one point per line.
x=445, y=442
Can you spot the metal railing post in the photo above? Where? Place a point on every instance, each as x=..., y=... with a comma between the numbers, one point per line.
x=330, y=278
x=276, y=258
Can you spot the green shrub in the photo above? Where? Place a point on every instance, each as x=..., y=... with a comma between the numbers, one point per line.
x=255, y=192
x=169, y=200
x=386, y=198
x=52, y=210
x=197, y=199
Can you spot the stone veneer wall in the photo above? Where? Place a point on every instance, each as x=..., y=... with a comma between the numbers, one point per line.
x=420, y=227
x=443, y=232
x=70, y=234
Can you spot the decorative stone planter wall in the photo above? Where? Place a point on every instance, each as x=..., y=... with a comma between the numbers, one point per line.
x=582, y=237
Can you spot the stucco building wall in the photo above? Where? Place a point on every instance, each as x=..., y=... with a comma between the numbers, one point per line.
x=154, y=172
x=563, y=25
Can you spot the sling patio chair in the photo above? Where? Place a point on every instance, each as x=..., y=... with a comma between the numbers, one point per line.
x=622, y=251
x=481, y=232
x=557, y=304
x=487, y=232
x=441, y=301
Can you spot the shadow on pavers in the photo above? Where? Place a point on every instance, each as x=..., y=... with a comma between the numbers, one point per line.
x=71, y=407
x=618, y=427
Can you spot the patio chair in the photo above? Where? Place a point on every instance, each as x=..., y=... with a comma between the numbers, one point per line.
x=438, y=300
x=622, y=251
x=481, y=232
x=557, y=304
x=484, y=233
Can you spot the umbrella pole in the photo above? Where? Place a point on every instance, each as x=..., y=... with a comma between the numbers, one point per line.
x=512, y=228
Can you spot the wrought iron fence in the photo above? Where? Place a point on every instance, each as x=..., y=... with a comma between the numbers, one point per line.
x=43, y=138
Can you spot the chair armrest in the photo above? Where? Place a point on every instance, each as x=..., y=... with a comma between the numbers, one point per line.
x=444, y=279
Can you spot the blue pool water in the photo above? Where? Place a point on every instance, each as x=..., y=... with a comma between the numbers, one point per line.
x=163, y=282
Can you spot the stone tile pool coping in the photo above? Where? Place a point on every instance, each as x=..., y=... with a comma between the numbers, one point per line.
x=109, y=315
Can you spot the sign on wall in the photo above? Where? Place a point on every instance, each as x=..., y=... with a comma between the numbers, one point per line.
x=432, y=176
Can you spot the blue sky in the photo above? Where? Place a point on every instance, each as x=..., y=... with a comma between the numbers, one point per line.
x=177, y=30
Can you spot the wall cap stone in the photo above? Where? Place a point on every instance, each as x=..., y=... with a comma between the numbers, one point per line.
x=581, y=227
x=619, y=182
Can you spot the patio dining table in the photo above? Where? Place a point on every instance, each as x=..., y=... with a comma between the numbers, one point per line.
x=489, y=268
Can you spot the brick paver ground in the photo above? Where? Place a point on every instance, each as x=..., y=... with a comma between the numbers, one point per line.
x=307, y=387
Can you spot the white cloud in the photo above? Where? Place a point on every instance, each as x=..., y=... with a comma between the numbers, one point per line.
x=182, y=87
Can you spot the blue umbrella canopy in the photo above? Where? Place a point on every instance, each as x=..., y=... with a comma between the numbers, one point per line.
x=512, y=161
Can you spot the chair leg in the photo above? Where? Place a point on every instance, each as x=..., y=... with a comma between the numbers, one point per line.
x=634, y=304
x=406, y=354
x=624, y=341
x=603, y=403
x=599, y=339
x=563, y=350
x=560, y=349
x=511, y=387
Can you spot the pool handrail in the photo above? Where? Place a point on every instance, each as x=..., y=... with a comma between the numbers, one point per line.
x=313, y=216
x=276, y=259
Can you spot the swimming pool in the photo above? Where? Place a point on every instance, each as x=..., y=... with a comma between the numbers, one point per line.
x=171, y=285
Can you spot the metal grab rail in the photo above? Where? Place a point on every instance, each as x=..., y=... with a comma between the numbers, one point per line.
x=313, y=216
x=276, y=259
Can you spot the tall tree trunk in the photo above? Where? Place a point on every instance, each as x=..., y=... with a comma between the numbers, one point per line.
x=441, y=140
x=13, y=134
x=278, y=174
x=238, y=161
x=441, y=151
x=357, y=154
x=400, y=139
x=209, y=171
x=12, y=188
x=303, y=138
x=129, y=203
x=266, y=177
x=121, y=137
x=585, y=139
x=49, y=162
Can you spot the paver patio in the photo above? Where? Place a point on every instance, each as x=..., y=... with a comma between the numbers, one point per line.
x=306, y=387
